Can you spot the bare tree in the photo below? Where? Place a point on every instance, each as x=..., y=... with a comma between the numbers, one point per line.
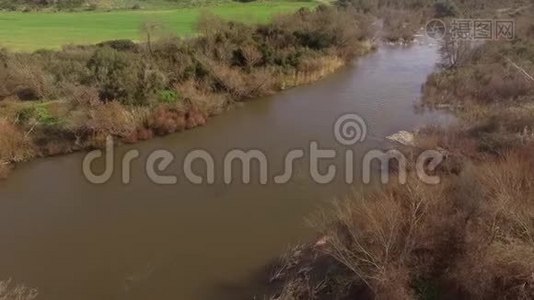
x=454, y=52
x=149, y=30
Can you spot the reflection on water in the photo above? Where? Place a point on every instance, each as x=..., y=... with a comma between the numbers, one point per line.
x=75, y=240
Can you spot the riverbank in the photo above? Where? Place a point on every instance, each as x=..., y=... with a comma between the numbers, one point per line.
x=469, y=237
x=56, y=102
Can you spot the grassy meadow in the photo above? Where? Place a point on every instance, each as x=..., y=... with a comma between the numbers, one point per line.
x=30, y=31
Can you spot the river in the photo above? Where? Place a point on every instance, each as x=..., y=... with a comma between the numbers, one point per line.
x=75, y=240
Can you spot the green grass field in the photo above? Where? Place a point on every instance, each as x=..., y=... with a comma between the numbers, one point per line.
x=36, y=30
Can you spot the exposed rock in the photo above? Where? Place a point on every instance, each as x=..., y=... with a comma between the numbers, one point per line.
x=403, y=137
x=321, y=242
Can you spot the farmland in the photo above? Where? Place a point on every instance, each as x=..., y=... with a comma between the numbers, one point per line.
x=30, y=31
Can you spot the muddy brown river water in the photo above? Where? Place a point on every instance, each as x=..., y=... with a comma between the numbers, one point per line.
x=75, y=240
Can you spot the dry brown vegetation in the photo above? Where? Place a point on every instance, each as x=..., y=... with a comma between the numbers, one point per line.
x=470, y=237
x=402, y=24
x=15, y=147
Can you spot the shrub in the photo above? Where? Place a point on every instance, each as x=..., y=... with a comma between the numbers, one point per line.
x=114, y=73
x=168, y=97
x=111, y=118
x=165, y=119
x=247, y=56
x=44, y=117
x=23, y=77
x=38, y=114
x=66, y=68
x=149, y=82
x=120, y=45
x=175, y=59
x=15, y=146
x=83, y=96
x=121, y=76
x=199, y=96
x=401, y=25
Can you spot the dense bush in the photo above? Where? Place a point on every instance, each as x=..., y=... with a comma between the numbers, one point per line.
x=23, y=77
x=15, y=146
x=121, y=76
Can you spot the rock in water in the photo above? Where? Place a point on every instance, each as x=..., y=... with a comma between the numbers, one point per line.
x=403, y=137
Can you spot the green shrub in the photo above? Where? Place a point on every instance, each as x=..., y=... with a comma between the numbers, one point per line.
x=121, y=45
x=168, y=96
x=125, y=77
x=44, y=117
x=112, y=72
x=37, y=114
